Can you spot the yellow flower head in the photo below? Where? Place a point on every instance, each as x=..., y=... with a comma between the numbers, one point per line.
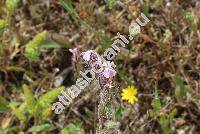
x=129, y=94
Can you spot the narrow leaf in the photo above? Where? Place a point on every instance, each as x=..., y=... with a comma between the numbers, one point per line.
x=30, y=100
x=118, y=113
x=2, y=24
x=33, y=47
x=21, y=116
x=17, y=111
x=45, y=100
x=165, y=124
x=3, y=104
x=49, y=44
x=156, y=104
x=124, y=77
x=172, y=114
x=67, y=4
x=181, y=88
x=41, y=128
x=46, y=113
x=105, y=40
x=72, y=129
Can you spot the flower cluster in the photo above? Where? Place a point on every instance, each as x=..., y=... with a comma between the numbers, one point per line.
x=104, y=69
x=98, y=66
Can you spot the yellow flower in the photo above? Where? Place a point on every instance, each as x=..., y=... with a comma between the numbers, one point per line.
x=129, y=94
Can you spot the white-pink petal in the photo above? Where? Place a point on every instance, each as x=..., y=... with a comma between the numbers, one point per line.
x=109, y=72
x=86, y=55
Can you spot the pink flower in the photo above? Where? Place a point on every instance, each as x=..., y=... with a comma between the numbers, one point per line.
x=109, y=72
x=87, y=55
x=74, y=52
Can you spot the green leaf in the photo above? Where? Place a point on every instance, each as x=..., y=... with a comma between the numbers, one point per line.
x=13, y=104
x=90, y=132
x=111, y=3
x=105, y=40
x=41, y=128
x=189, y=16
x=67, y=4
x=124, y=77
x=118, y=113
x=23, y=107
x=46, y=113
x=49, y=44
x=64, y=131
x=171, y=115
x=181, y=88
x=156, y=104
x=3, y=130
x=152, y=114
x=45, y=100
x=33, y=47
x=146, y=8
x=11, y=5
x=192, y=20
x=30, y=100
x=3, y=104
x=70, y=129
x=19, y=114
x=17, y=111
x=194, y=27
x=2, y=24
x=165, y=124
